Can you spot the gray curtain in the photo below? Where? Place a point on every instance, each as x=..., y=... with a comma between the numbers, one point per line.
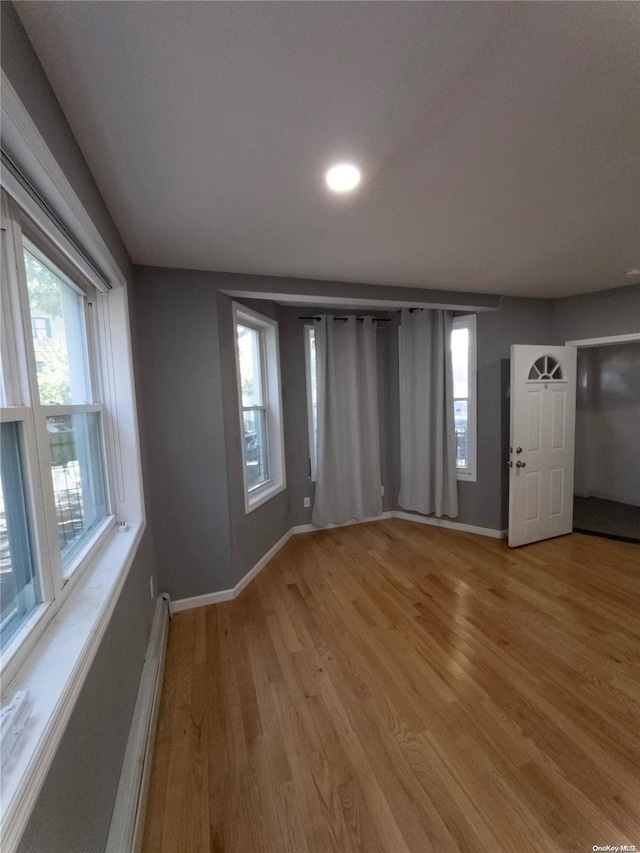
x=348, y=480
x=428, y=482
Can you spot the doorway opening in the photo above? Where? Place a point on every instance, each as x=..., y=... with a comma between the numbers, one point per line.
x=607, y=444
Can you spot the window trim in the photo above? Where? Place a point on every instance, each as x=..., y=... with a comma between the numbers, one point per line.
x=272, y=404
x=470, y=474
x=263, y=407
x=71, y=227
x=42, y=656
x=55, y=579
x=49, y=255
x=61, y=651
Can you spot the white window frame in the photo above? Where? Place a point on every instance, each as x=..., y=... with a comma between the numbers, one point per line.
x=48, y=253
x=470, y=474
x=309, y=328
x=49, y=657
x=271, y=404
x=21, y=404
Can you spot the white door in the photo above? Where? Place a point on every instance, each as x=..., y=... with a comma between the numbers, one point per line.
x=543, y=416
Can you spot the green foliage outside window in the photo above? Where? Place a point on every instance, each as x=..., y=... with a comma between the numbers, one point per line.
x=51, y=353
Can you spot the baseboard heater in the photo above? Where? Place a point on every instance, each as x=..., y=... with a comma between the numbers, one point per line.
x=127, y=820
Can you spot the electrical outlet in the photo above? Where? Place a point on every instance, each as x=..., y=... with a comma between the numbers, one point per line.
x=383, y=490
x=152, y=585
x=307, y=502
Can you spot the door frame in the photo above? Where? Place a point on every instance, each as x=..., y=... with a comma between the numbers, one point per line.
x=611, y=340
x=605, y=342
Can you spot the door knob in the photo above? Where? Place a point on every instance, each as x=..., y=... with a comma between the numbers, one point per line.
x=520, y=464
x=518, y=450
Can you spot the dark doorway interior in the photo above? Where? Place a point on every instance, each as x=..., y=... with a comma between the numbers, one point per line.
x=606, y=518
x=607, y=461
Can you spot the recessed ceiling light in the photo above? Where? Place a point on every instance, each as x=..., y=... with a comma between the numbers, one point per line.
x=343, y=177
x=633, y=272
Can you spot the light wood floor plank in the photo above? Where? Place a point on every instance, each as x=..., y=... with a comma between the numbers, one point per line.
x=395, y=688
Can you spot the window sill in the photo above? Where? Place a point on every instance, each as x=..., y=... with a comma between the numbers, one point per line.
x=467, y=477
x=253, y=501
x=54, y=673
x=88, y=549
x=28, y=636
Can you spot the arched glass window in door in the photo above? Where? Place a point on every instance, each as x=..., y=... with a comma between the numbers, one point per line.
x=546, y=369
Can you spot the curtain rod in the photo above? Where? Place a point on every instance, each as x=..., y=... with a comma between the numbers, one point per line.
x=344, y=319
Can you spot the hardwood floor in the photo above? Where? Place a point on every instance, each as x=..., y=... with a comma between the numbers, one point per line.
x=396, y=687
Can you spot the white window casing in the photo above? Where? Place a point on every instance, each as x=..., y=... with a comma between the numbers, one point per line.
x=50, y=654
x=47, y=196
x=270, y=403
x=469, y=471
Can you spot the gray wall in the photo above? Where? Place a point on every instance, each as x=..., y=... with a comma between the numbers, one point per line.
x=73, y=811
x=518, y=321
x=205, y=541
x=180, y=393
x=608, y=387
x=608, y=423
x=265, y=286
x=597, y=315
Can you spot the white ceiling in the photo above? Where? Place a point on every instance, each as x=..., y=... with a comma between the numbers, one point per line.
x=498, y=141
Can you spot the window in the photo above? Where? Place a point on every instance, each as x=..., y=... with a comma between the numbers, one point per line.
x=258, y=369
x=463, y=356
x=69, y=456
x=63, y=354
x=312, y=396
x=463, y=353
x=40, y=328
x=19, y=593
x=73, y=427
x=546, y=369
x=254, y=405
x=54, y=499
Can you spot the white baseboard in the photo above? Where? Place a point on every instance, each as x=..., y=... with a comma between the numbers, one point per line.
x=310, y=528
x=127, y=820
x=230, y=594
x=203, y=600
x=450, y=524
